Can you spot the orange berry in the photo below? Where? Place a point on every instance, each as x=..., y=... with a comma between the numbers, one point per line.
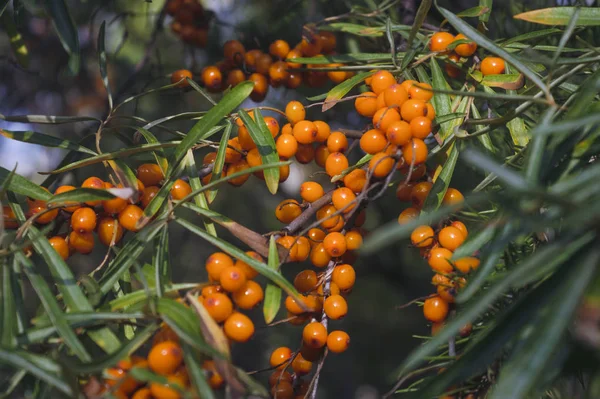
x=219, y=306
x=236, y=167
x=294, y=53
x=338, y=341
x=421, y=91
x=233, y=151
x=234, y=51
x=280, y=356
x=300, y=250
x=326, y=217
x=215, y=380
x=344, y=276
x=129, y=217
x=419, y=193
x=180, y=76
x=300, y=365
x=95, y=183
x=407, y=215
x=286, y=145
x=381, y=80
x=319, y=257
x=467, y=264
x=453, y=196
x=328, y=41
x=306, y=281
x=403, y=191
x=451, y=238
x=309, y=302
x=439, y=260
x=238, y=327
x=165, y=357
x=160, y=391
x=323, y=131
x=114, y=205
x=337, y=76
x=83, y=220
x=335, y=307
x=492, y=66
x=249, y=271
x=381, y=165
x=399, y=133
x=435, y=309
x=305, y=153
x=356, y=180
x=353, y=240
x=278, y=376
x=294, y=80
x=407, y=84
x=337, y=142
x=440, y=41
x=311, y=191
x=287, y=129
x=216, y=263
x=321, y=154
x=373, y=141
x=287, y=210
x=142, y=393
x=60, y=245
x=395, y=95
x=279, y=49
x=452, y=70
x=180, y=189
x=314, y=335
x=211, y=289
x=305, y=132
x=422, y=236
x=60, y=190
x=232, y=278
x=278, y=73
x=315, y=235
x=366, y=104
x=415, y=152
x=336, y=163
x=335, y=244
x=343, y=199
x=429, y=111
x=150, y=174
x=283, y=390
x=311, y=45
x=261, y=86
x=420, y=127
x=295, y=112
x=384, y=117
x=235, y=77
x=413, y=108
x=82, y=242
x=461, y=226
x=465, y=49
x=263, y=63
x=106, y=230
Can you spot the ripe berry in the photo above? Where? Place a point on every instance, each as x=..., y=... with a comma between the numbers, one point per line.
x=315, y=236
x=82, y=242
x=215, y=380
x=96, y=183
x=381, y=165
x=429, y=111
x=335, y=307
x=295, y=112
x=356, y=180
x=278, y=73
x=160, y=391
x=395, y=96
x=421, y=91
x=60, y=245
x=311, y=45
x=384, y=117
x=309, y=303
x=338, y=341
x=286, y=145
x=219, y=306
x=407, y=215
x=422, y=236
x=336, y=163
x=147, y=194
x=403, y=191
x=305, y=153
x=319, y=256
x=337, y=76
x=263, y=63
x=415, y=152
x=106, y=230
x=294, y=53
x=211, y=289
x=306, y=281
x=335, y=244
x=381, y=80
x=279, y=49
x=461, y=226
x=234, y=51
x=283, y=390
x=294, y=80
x=142, y=393
x=413, y=108
x=287, y=210
x=337, y=142
x=343, y=276
x=419, y=193
x=373, y=141
x=118, y=378
x=451, y=238
x=435, y=309
x=216, y=263
x=238, y=327
x=165, y=357
x=323, y=131
x=465, y=49
x=305, y=132
x=453, y=196
x=311, y=191
x=83, y=220
x=439, y=260
x=248, y=270
x=180, y=76
x=233, y=151
x=129, y=217
x=314, y=335
x=440, y=41
x=343, y=199
x=366, y=104
x=492, y=66
x=280, y=356
x=235, y=77
x=261, y=86
x=232, y=278
x=180, y=189
x=321, y=154
x=467, y=264
x=353, y=240
x=114, y=205
x=452, y=70
x=300, y=365
x=150, y=174
x=420, y=127
x=328, y=41
x=300, y=250
x=399, y=133
x=278, y=376
x=59, y=190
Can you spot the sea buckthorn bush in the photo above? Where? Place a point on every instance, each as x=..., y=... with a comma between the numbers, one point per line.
x=452, y=160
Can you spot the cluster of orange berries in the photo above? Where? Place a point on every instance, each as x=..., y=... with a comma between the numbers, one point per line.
x=108, y=218
x=274, y=68
x=441, y=40
x=190, y=22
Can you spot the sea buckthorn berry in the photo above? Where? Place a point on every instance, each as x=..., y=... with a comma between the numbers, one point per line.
x=232, y=278
x=180, y=76
x=310, y=303
x=373, y=141
x=215, y=380
x=114, y=205
x=305, y=132
x=492, y=66
x=234, y=51
x=211, y=289
x=399, y=133
x=287, y=210
x=381, y=165
x=343, y=276
x=106, y=230
x=150, y=174
x=294, y=80
x=319, y=256
x=238, y=327
x=452, y=70
x=325, y=216
x=415, y=152
x=328, y=41
x=287, y=129
x=339, y=226
x=160, y=391
x=421, y=91
x=448, y=291
x=180, y=189
x=235, y=77
x=420, y=127
x=233, y=151
x=464, y=332
x=440, y=41
x=453, y=196
x=451, y=238
x=261, y=86
x=422, y=236
x=272, y=125
x=403, y=191
x=280, y=356
x=310, y=353
x=300, y=365
x=263, y=63
x=323, y=131
x=253, y=158
x=321, y=154
x=429, y=111
x=60, y=190
x=407, y=84
x=306, y=281
x=212, y=78
x=250, y=59
x=118, y=377
x=343, y=199
x=366, y=104
x=395, y=95
x=337, y=76
x=10, y=219
x=337, y=142
x=129, y=217
x=83, y=220
x=279, y=49
x=216, y=263
x=338, y=341
x=165, y=357
x=413, y=108
x=96, y=183
x=248, y=270
x=436, y=328
x=311, y=45
x=278, y=376
x=419, y=193
x=142, y=393
x=335, y=244
x=381, y=80
x=311, y=191
x=356, y=180
x=283, y=390
x=407, y=215
x=219, y=306
x=465, y=49
x=294, y=53
x=300, y=249
x=295, y=112
x=461, y=226
x=278, y=73
x=467, y=264
x=314, y=335
x=82, y=242
x=384, y=117
x=353, y=240
x=381, y=101
x=335, y=307
x=435, y=309
x=439, y=260
x=315, y=236
x=60, y=245
x=336, y=163
x=305, y=153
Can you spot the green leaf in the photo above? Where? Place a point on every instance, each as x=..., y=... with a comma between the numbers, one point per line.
x=536, y=34
x=590, y=16
x=440, y=186
x=343, y=58
x=200, y=90
x=45, y=140
x=220, y=159
x=102, y=64
x=67, y=32
x=48, y=119
x=20, y=185
x=473, y=11
x=196, y=184
x=162, y=264
x=272, y=293
x=441, y=102
x=133, y=298
x=419, y=19
x=266, y=146
x=200, y=130
x=486, y=15
x=339, y=91
x=510, y=177
x=159, y=154
x=196, y=373
x=17, y=43
x=507, y=81
x=226, y=247
x=81, y=195
x=475, y=241
x=484, y=139
x=8, y=309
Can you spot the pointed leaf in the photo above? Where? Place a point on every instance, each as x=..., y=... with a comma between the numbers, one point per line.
x=67, y=32
x=196, y=184
x=419, y=19
x=102, y=64
x=17, y=43
x=220, y=159
x=272, y=292
x=20, y=185
x=440, y=186
x=441, y=102
x=340, y=90
x=45, y=140
x=590, y=16
x=513, y=81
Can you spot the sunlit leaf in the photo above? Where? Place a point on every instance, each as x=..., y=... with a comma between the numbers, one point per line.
x=590, y=16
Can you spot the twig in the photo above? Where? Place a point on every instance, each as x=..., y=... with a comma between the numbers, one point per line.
x=312, y=209
x=413, y=374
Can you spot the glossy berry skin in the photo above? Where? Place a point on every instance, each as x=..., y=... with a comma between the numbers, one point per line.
x=319, y=256
x=283, y=390
x=381, y=80
x=450, y=238
x=354, y=240
x=314, y=335
x=261, y=87
x=307, y=303
x=467, y=264
x=338, y=341
x=421, y=91
x=160, y=391
x=373, y=141
x=165, y=357
x=323, y=131
x=212, y=78
x=335, y=307
x=384, y=117
x=95, y=183
x=278, y=73
x=81, y=242
x=129, y=217
x=407, y=215
x=440, y=41
x=413, y=108
x=492, y=66
x=106, y=229
x=311, y=191
x=311, y=45
x=235, y=77
x=180, y=76
x=395, y=95
x=461, y=226
x=335, y=244
x=305, y=153
x=83, y=220
x=150, y=174
x=415, y=152
x=366, y=104
x=238, y=327
x=453, y=196
x=295, y=112
x=286, y=145
x=420, y=127
x=279, y=49
x=39, y=207
x=419, y=193
x=403, y=191
x=234, y=51
x=300, y=365
x=337, y=142
x=305, y=132
x=280, y=356
x=343, y=199
x=439, y=260
x=219, y=306
x=344, y=276
x=114, y=206
x=422, y=236
x=356, y=180
x=287, y=210
x=248, y=270
x=216, y=263
x=336, y=163
x=399, y=133
x=180, y=189
x=278, y=376
x=306, y=281
x=60, y=245
x=435, y=309
x=215, y=380
x=465, y=49
x=452, y=70
x=232, y=278
x=381, y=165
x=60, y=190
